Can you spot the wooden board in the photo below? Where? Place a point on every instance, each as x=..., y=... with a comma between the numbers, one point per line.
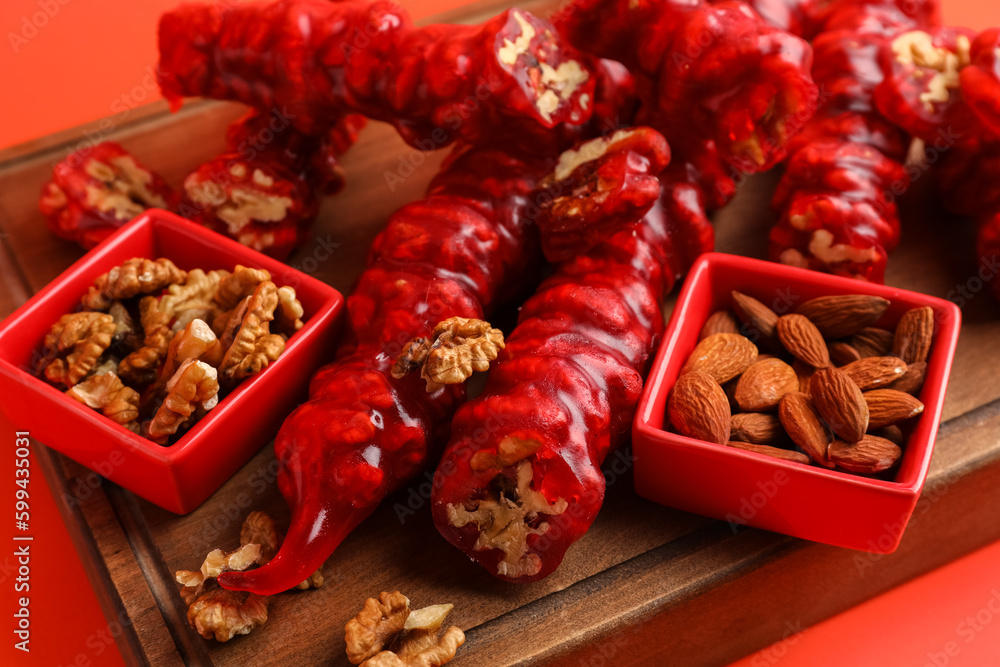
x=646, y=585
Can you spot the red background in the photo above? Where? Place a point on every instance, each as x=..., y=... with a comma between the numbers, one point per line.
x=67, y=62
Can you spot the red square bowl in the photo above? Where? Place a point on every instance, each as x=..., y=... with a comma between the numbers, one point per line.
x=181, y=476
x=746, y=488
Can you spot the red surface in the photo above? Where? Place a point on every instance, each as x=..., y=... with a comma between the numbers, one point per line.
x=179, y=477
x=757, y=490
x=91, y=60
x=949, y=617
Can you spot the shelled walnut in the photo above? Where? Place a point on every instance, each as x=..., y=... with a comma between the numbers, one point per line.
x=220, y=614
x=385, y=633
x=459, y=347
x=145, y=319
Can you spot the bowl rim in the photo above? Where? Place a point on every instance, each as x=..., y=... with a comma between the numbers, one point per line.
x=159, y=221
x=945, y=343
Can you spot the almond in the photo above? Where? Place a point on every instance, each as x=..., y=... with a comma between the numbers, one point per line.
x=721, y=355
x=872, y=372
x=803, y=340
x=761, y=386
x=868, y=455
x=872, y=342
x=756, y=427
x=841, y=315
x=698, y=408
x=889, y=406
x=912, y=342
x=842, y=354
x=721, y=321
x=759, y=321
x=893, y=433
x=840, y=403
x=802, y=422
x=805, y=373
x=776, y=452
x=912, y=380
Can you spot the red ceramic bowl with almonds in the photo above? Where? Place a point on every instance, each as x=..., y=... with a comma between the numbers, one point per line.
x=180, y=476
x=807, y=500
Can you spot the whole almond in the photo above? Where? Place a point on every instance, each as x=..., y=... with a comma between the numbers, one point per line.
x=761, y=386
x=841, y=315
x=805, y=373
x=868, y=455
x=756, y=427
x=776, y=452
x=840, y=403
x=912, y=380
x=912, y=342
x=892, y=432
x=802, y=422
x=721, y=355
x=803, y=340
x=721, y=321
x=889, y=406
x=872, y=342
x=873, y=372
x=759, y=321
x=698, y=408
x=842, y=354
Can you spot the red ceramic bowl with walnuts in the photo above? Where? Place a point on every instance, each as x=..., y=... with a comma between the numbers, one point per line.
x=752, y=489
x=178, y=477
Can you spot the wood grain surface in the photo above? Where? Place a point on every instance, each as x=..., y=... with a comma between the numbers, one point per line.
x=646, y=585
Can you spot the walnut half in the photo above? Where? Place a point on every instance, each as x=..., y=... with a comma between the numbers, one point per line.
x=506, y=521
x=460, y=347
x=387, y=634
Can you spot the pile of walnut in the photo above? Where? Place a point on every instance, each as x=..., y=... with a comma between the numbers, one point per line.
x=155, y=347
x=220, y=614
x=839, y=389
x=385, y=633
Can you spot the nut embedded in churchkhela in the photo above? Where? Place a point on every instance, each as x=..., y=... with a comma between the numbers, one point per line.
x=74, y=344
x=460, y=347
x=385, y=633
x=504, y=518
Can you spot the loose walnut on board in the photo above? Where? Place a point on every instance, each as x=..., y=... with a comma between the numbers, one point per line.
x=385, y=633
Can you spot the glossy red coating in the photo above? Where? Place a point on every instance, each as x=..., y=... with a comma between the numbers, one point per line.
x=67, y=203
x=837, y=201
x=704, y=72
x=910, y=92
x=569, y=377
x=980, y=80
x=315, y=60
x=595, y=200
x=179, y=477
x=751, y=489
x=268, y=160
x=464, y=248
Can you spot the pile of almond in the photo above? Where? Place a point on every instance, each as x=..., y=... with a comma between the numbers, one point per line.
x=824, y=386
